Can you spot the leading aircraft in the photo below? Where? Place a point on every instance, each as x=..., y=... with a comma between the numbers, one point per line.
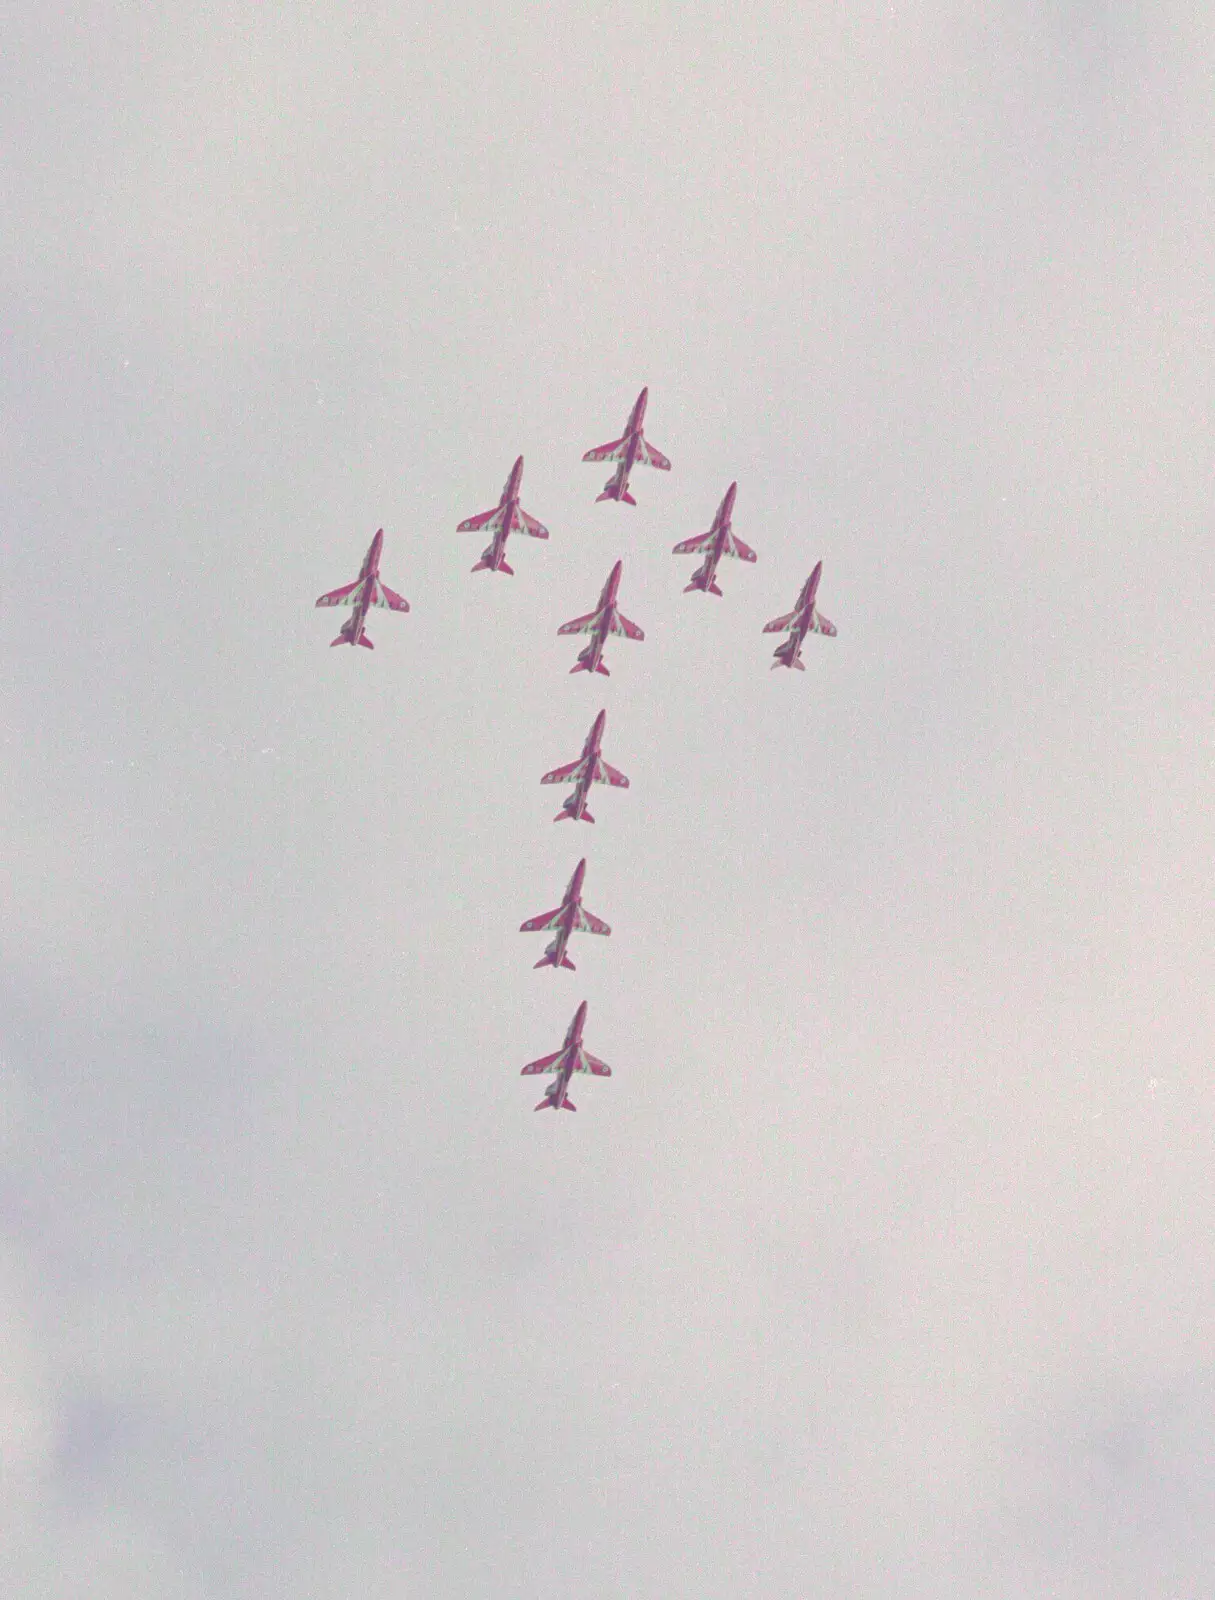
x=366, y=591
x=627, y=451
x=803, y=619
x=599, y=623
x=719, y=541
x=569, y=918
x=571, y=1058
x=589, y=768
x=507, y=517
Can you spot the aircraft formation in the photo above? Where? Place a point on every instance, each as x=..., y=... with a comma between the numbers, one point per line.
x=605, y=622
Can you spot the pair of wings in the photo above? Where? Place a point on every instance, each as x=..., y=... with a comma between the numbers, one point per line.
x=617, y=449
x=492, y=520
x=584, y=922
x=818, y=624
x=584, y=1061
x=621, y=626
x=603, y=772
x=351, y=593
x=704, y=541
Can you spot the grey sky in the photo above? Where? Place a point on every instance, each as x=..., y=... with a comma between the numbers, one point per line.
x=884, y=1264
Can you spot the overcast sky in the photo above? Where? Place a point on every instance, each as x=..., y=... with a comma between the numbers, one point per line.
x=884, y=1264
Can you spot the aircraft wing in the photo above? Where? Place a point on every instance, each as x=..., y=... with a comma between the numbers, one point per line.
x=606, y=773
x=613, y=451
x=819, y=624
x=484, y=519
x=536, y=529
x=735, y=547
x=652, y=458
x=542, y=923
x=622, y=625
x=687, y=547
x=563, y=774
x=389, y=598
x=780, y=624
x=345, y=596
x=580, y=624
x=589, y=923
x=542, y=1065
x=586, y=1062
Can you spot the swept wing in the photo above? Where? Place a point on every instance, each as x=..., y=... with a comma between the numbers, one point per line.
x=652, y=458
x=345, y=596
x=612, y=451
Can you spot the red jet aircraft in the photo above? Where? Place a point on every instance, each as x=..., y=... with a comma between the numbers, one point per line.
x=366, y=591
x=589, y=768
x=571, y=1058
x=569, y=918
x=628, y=450
x=803, y=619
x=507, y=517
x=599, y=623
x=718, y=542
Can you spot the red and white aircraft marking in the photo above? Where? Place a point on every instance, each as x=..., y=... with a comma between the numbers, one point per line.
x=589, y=768
x=366, y=591
x=605, y=619
x=571, y=1058
x=803, y=619
x=718, y=542
x=628, y=450
x=507, y=517
x=569, y=918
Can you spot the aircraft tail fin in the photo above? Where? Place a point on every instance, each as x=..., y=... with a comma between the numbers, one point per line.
x=567, y=815
x=699, y=582
x=585, y=663
x=626, y=497
x=551, y=1103
x=549, y=959
x=486, y=564
x=347, y=637
x=610, y=492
